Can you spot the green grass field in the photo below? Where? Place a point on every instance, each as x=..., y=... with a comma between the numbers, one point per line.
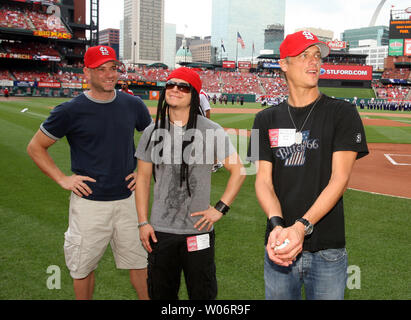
x=34, y=217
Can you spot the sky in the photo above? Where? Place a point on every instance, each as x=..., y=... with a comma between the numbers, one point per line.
x=193, y=17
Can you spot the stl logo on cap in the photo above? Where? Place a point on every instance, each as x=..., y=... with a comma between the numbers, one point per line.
x=104, y=51
x=308, y=35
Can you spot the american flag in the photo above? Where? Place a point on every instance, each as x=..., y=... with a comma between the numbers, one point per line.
x=240, y=40
x=298, y=158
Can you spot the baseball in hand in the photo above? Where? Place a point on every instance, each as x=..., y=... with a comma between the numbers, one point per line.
x=283, y=245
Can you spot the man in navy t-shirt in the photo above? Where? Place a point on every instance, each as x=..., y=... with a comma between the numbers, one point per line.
x=99, y=126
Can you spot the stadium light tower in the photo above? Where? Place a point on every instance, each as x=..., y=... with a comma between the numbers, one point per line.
x=376, y=13
x=94, y=22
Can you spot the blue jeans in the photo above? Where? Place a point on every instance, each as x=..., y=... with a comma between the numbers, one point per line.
x=323, y=274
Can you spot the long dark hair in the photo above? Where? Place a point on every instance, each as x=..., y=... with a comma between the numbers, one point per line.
x=163, y=122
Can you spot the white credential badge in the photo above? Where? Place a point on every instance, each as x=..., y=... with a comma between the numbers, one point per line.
x=281, y=137
x=196, y=243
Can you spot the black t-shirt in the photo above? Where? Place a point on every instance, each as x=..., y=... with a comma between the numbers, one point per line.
x=101, y=139
x=302, y=171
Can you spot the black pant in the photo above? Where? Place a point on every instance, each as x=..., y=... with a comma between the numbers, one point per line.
x=169, y=257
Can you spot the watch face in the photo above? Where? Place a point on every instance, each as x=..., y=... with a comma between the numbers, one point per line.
x=309, y=229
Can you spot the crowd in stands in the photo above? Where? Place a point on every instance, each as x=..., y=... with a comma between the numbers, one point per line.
x=33, y=76
x=31, y=48
x=274, y=85
x=5, y=75
x=241, y=82
x=18, y=18
x=214, y=82
x=221, y=81
x=45, y=22
x=63, y=77
x=392, y=92
x=211, y=80
x=12, y=18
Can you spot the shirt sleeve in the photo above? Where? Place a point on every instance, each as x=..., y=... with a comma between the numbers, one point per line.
x=205, y=104
x=349, y=133
x=57, y=124
x=259, y=145
x=143, y=115
x=143, y=152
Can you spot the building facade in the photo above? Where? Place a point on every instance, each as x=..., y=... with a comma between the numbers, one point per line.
x=143, y=31
x=169, y=44
x=375, y=54
x=273, y=36
x=201, y=49
x=183, y=55
x=110, y=37
x=377, y=33
x=248, y=19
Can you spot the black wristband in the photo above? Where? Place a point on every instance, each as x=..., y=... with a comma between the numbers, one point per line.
x=271, y=224
x=222, y=207
x=276, y=221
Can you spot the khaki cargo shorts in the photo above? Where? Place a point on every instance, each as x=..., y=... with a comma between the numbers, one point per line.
x=95, y=224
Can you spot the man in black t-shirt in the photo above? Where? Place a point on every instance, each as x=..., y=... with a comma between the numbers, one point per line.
x=307, y=147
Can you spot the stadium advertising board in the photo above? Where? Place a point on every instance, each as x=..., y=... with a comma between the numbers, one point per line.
x=407, y=47
x=26, y=56
x=6, y=83
x=400, y=29
x=23, y=56
x=229, y=64
x=24, y=84
x=337, y=45
x=271, y=65
x=51, y=34
x=396, y=47
x=346, y=72
x=70, y=85
x=48, y=84
x=45, y=57
x=244, y=64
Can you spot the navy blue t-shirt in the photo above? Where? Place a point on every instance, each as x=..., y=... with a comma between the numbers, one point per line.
x=101, y=139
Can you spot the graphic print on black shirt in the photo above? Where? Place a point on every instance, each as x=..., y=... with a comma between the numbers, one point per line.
x=295, y=154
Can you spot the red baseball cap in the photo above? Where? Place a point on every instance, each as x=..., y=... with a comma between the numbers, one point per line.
x=96, y=56
x=188, y=75
x=297, y=42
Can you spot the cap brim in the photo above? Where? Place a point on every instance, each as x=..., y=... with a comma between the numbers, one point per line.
x=324, y=49
x=103, y=61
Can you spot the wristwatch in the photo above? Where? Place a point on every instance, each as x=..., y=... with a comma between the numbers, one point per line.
x=308, y=227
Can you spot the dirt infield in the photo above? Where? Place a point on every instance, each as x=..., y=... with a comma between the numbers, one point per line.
x=386, y=170
x=384, y=123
